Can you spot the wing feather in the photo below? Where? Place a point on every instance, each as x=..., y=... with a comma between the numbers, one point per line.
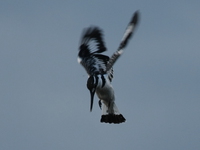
x=126, y=37
x=92, y=45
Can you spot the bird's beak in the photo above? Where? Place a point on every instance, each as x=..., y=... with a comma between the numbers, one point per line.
x=92, y=92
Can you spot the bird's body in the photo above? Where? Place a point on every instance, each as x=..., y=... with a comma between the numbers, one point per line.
x=105, y=92
x=100, y=71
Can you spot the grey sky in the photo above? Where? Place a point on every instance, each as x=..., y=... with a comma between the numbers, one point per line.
x=44, y=102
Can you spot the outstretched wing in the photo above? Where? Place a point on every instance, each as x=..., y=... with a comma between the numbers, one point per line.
x=91, y=47
x=127, y=35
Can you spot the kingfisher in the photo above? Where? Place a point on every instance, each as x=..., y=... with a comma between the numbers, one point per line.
x=99, y=68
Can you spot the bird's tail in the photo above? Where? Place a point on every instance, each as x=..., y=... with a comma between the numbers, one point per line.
x=111, y=114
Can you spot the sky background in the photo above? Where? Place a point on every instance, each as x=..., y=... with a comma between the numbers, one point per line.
x=44, y=102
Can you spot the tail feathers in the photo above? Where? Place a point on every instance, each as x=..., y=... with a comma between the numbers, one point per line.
x=111, y=114
x=112, y=118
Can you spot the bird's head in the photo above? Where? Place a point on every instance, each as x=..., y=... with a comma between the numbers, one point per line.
x=91, y=85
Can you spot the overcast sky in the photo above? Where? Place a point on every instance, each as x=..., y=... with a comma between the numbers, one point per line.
x=44, y=102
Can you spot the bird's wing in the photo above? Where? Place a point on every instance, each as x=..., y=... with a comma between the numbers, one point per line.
x=91, y=47
x=127, y=35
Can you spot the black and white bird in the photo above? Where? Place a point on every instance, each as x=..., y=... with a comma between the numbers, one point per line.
x=100, y=71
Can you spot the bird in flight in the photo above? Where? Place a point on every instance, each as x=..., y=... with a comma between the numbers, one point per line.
x=99, y=68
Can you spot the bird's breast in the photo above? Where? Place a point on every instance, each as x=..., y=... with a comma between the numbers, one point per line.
x=105, y=93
